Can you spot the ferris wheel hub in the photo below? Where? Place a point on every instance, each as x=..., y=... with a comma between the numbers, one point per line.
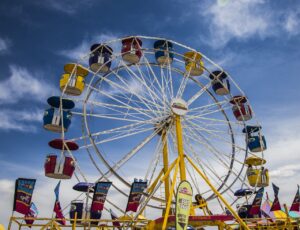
x=179, y=106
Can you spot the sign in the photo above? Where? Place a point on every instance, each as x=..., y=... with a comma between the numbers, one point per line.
x=100, y=193
x=23, y=194
x=179, y=106
x=183, y=204
x=135, y=195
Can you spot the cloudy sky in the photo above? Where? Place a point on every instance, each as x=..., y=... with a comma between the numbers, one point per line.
x=256, y=41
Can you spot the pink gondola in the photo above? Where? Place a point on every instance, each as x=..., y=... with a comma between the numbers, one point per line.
x=59, y=168
x=241, y=110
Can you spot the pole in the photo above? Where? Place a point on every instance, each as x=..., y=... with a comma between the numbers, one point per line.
x=180, y=147
x=218, y=194
x=166, y=164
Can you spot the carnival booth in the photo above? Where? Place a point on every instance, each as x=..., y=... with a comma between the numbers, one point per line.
x=63, y=166
x=100, y=58
x=241, y=109
x=58, y=117
x=220, y=82
x=255, y=141
x=131, y=49
x=163, y=52
x=193, y=63
x=72, y=81
x=257, y=175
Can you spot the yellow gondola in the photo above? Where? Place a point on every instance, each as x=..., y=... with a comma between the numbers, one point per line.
x=258, y=177
x=255, y=161
x=73, y=79
x=193, y=63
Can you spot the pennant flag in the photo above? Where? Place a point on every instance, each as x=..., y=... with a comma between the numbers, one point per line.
x=115, y=217
x=135, y=195
x=57, y=208
x=276, y=204
x=23, y=194
x=255, y=207
x=100, y=192
x=33, y=212
x=296, y=203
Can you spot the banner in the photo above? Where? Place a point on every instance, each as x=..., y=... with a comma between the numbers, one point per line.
x=183, y=204
x=255, y=207
x=276, y=204
x=296, y=203
x=100, y=193
x=135, y=195
x=23, y=194
x=57, y=208
x=33, y=212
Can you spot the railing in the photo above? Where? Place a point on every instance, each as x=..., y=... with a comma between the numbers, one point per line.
x=108, y=224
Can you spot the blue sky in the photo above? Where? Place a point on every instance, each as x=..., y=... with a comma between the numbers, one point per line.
x=256, y=41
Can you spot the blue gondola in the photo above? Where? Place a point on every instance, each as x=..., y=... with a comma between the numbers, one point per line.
x=76, y=207
x=163, y=52
x=52, y=116
x=84, y=187
x=256, y=142
x=220, y=82
x=243, y=192
x=100, y=58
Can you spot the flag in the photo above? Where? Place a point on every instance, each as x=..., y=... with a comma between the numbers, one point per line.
x=57, y=208
x=296, y=203
x=100, y=192
x=136, y=192
x=184, y=197
x=115, y=217
x=23, y=194
x=255, y=207
x=276, y=204
x=33, y=212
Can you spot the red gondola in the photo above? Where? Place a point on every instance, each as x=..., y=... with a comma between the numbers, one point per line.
x=131, y=49
x=59, y=168
x=241, y=109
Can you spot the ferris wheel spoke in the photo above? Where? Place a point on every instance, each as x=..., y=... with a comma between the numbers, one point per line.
x=208, y=107
x=122, y=136
x=213, y=133
x=220, y=157
x=128, y=156
x=152, y=73
x=198, y=94
x=139, y=96
x=107, y=105
x=134, y=125
x=126, y=90
x=143, y=82
x=121, y=102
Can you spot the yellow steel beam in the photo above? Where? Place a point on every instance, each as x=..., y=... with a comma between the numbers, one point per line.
x=180, y=147
x=166, y=163
x=216, y=192
x=170, y=197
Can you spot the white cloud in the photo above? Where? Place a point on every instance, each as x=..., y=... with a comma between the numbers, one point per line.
x=291, y=23
x=24, y=121
x=83, y=48
x=244, y=19
x=236, y=19
x=66, y=6
x=4, y=45
x=23, y=85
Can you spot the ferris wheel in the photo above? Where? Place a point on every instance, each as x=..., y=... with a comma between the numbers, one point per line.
x=139, y=105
